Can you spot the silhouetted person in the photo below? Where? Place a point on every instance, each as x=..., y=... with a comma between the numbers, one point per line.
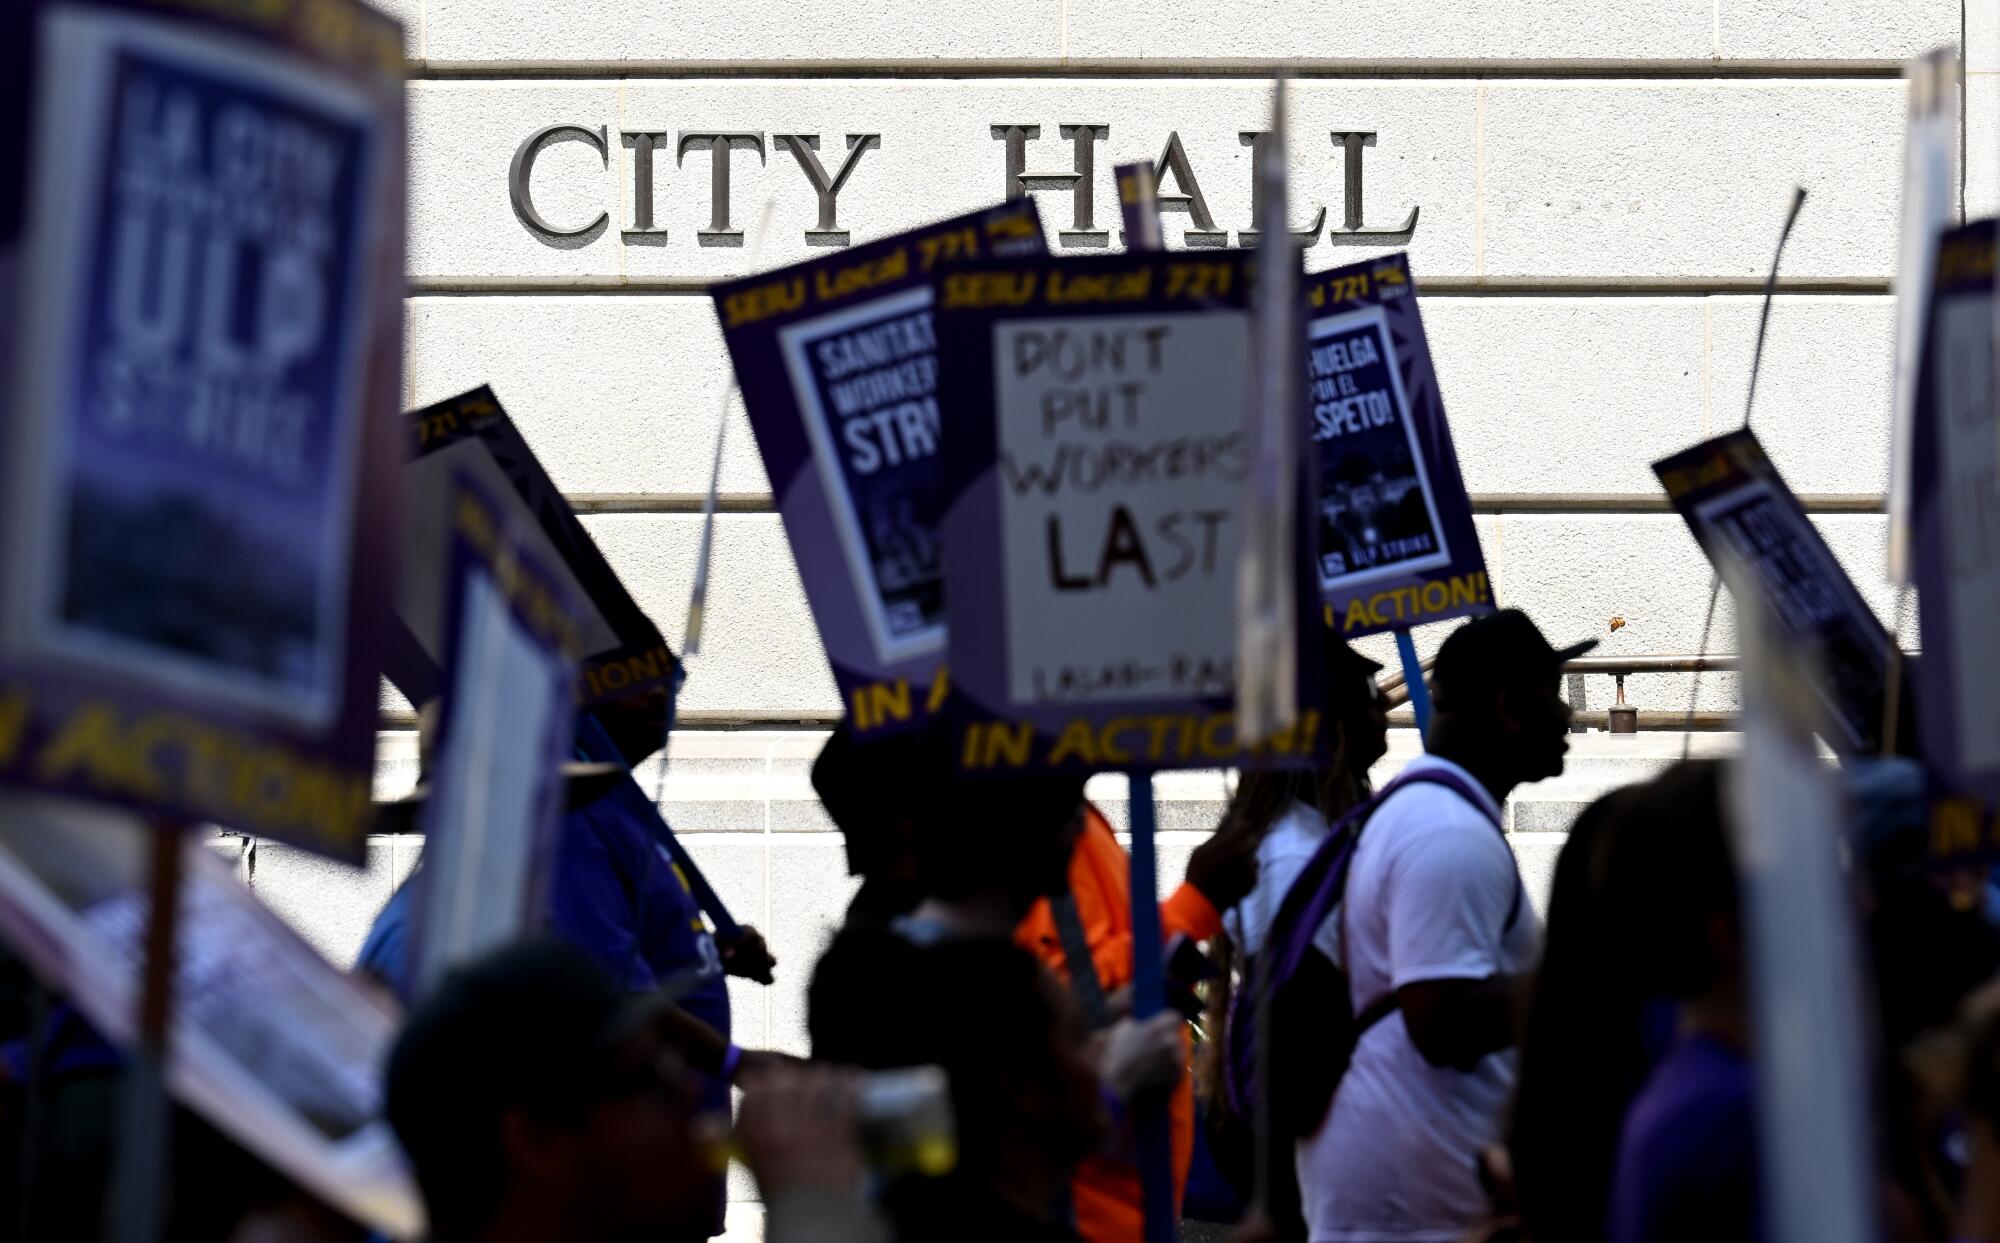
x=1435, y=916
x=538, y=1100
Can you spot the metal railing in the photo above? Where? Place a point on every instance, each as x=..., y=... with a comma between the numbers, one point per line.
x=1620, y=717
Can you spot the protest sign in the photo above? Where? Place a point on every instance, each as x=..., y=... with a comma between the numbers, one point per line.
x=1267, y=581
x=1735, y=502
x=276, y=1047
x=1786, y=818
x=628, y=676
x=1397, y=547
x=1930, y=204
x=1955, y=515
x=1095, y=480
x=627, y=671
x=1139, y=205
x=503, y=735
x=201, y=279
x=838, y=365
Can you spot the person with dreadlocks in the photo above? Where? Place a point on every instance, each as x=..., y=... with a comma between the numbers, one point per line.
x=1288, y=813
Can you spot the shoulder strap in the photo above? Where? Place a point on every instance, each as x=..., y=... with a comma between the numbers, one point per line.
x=1377, y=1010
x=1340, y=839
x=1323, y=881
x=1453, y=782
x=1459, y=786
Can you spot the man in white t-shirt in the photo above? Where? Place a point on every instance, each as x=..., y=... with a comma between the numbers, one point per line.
x=1435, y=912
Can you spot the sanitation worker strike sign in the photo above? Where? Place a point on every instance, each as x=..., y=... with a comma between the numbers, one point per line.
x=838, y=365
x=1094, y=487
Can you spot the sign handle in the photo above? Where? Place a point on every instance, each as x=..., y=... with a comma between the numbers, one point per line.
x=1413, y=677
x=145, y=1137
x=1149, y=997
x=32, y=1107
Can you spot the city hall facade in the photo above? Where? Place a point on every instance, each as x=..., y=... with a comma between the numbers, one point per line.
x=1589, y=194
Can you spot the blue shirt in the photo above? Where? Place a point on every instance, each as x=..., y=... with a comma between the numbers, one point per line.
x=1687, y=1161
x=617, y=894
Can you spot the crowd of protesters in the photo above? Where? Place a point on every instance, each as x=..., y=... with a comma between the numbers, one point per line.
x=1444, y=1065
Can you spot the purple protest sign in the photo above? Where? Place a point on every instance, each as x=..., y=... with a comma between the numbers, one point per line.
x=838, y=365
x=1736, y=504
x=202, y=243
x=1397, y=547
x=1095, y=485
x=627, y=672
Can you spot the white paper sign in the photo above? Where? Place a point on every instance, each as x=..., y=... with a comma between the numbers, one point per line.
x=1123, y=463
x=1930, y=204
x=1804, y=963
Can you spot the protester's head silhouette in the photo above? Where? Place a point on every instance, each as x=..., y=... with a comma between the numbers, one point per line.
x=908, y=814
x=537, y=1100
x=1672, y=875
x=1498, y=707
x=1355, y=706
x=1357, y=716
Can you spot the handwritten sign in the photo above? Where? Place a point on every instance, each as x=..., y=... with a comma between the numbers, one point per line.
x=203, y=288
x=1956, y=461
x=1736, y=503
x=1094, y=523
x=1396, y=542
x=838, y=363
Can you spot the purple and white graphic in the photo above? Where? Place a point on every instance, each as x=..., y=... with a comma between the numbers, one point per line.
x=200, y=484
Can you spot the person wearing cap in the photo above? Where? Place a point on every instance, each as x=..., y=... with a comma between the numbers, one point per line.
x=616, y=893
x=1436, y=918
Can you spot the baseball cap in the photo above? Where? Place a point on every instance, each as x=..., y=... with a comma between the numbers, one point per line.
x=1490, y=653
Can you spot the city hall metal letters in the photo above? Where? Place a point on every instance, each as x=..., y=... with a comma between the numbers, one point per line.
x=1180, y=188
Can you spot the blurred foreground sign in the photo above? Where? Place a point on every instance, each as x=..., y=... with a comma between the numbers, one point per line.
x=1956, y=520
x=1095, y=482
x=1930, y=205
x=275, y=1046
x=1397, y=547
x=201, y=274
x=1787, y=825
x=503, y=733
x=1737, y=505
x=839, y=368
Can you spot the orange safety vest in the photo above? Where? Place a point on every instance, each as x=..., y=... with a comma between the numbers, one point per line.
x=1105, y=1193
